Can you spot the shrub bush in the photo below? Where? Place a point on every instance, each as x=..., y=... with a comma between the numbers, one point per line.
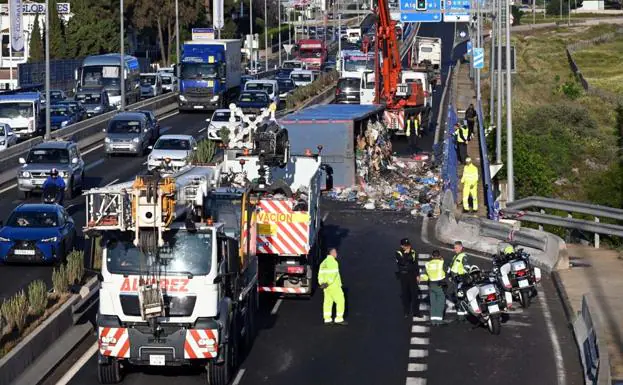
x=75, y=267
x=14, y=311
x=37, y=297
x=303, y=94
x=205, y=152
x=59, y=280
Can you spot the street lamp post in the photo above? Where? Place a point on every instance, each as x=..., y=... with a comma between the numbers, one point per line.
x=510, y=174
x=498, y=129
x=122, y=57
x=177, y=40
x=47, y=71
x=266, y=35
x=279, y=27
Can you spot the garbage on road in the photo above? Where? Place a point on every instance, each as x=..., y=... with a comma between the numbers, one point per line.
x=387, y=182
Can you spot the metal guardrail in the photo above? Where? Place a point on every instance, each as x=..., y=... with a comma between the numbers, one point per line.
x=507, y=232
x=569, y=206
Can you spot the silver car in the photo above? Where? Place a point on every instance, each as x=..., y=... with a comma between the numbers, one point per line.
x=171, y=152
x=61, y=155
x=128, y=133
x=7, y=137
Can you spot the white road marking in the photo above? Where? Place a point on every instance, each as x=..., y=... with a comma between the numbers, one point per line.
x=424, y=306
x=423, y=318
x=553, y=336
x=412, y=367
x=419, y=329
x=276, y=307
x=94, y=164
x=325, y=216
x=113, y=182
x=418, y=353
x=424, y=256
x=421, y=263
x=419, y=341
x=416, y=381
x=202, y=129
x=75, y=368
x=238, y=377
x=423, y=287
x=169, y=116
x=424, y=232
x=8, y=188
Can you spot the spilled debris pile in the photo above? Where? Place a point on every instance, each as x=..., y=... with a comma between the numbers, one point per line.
x=390, y=183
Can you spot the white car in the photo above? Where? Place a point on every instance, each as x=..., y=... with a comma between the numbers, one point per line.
x=169, y=82
x=220, y=118
x=174, y=151
x=7, y=137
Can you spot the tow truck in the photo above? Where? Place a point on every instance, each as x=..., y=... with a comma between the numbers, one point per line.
x=287, y=190
x=177, y=289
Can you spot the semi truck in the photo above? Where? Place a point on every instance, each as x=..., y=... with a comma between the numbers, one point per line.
x=210, y=74
x=177, y=289
x=427, y=51
x=313, y=53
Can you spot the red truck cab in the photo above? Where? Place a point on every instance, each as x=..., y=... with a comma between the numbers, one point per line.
x=313, y=53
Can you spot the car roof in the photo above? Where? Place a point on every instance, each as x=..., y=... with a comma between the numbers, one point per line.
x=266, y=81
x=254, y=92
x=54, y=144
x=129, y=115
x=23, y=97
x=36, y=207
x=172, y=136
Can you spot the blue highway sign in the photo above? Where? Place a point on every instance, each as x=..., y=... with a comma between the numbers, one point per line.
x=457, y=11
x=469, y=47
x=410, y=14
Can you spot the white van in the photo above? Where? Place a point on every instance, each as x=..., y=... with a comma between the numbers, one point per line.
x=151, y=85
x=353, y=35
x=302, y=78
x=271, y=87
x=23, y=113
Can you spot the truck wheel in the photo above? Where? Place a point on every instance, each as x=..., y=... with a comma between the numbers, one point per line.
x=251, y=327
x=109, y=373
x=219, y=374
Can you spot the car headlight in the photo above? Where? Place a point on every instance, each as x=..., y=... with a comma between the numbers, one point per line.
x=3, y=239
x=107, y=140
x=65, y=123
x=2, y=142
x=182, y=98
x=48, y=240
x=215, y=98
x=97, y=109
x=135, y=140
x=25, y=174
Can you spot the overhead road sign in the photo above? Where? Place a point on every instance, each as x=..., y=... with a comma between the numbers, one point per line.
x=457, y=11
x=479, y=58
x=420, y=11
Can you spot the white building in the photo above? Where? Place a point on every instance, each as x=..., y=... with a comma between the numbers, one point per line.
x=8, y=59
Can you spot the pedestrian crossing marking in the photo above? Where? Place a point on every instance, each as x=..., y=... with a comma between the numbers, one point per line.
x=421, y=263
x=418, y=353
x=423, y=318
x=413, y=367
x=419, y=341
x=424, y=306
x=424, y=256
x=416, y=381
x=423, y=287
x=419, y=329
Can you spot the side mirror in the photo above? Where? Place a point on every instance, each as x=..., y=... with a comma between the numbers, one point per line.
x=150, y=147
x=100, y=277
x=103, y=130
x=74, y=161
x=22, y=161
x=208, y=120
x=10, y=133
x=218, y=279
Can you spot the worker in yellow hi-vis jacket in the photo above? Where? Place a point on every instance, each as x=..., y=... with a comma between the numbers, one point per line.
x=330, y=281
x=470, y=185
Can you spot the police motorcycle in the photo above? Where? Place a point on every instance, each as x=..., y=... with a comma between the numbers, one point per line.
x=51, y=194
x=516, y=274
x=478, y=294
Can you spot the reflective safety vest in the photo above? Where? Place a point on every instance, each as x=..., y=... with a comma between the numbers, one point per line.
x=470, y=174
x=416, y=126
x=434, y=271
x=462, y=134
x=457, y=264
x=329, y=272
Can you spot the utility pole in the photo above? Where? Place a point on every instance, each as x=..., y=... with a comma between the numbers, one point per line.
x=498, y=128
x=279, y=17
x=478, y=44
x=533, y=13
x=494, y=20
x=266, y=48
x=122, y=57
x=510, y=172
x=252, y=40
x=48, y=118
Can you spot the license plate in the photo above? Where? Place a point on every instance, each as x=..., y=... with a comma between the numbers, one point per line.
x=494, y=309
x=523, y=283
x=37, y=182
x=24, y=252
x=198, y=107
x=350, y=97
x=156, y=360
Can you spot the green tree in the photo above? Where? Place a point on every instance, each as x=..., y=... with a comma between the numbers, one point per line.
x=57, y=36
x=230, y=30
x=35, y=48
x=88, y=32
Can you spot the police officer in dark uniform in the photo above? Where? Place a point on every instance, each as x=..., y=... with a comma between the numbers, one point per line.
x=408, y=275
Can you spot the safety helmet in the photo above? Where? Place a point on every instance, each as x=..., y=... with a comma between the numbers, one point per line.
x=54, y=172
x=405, y=242
x=468, y=160
x=509, y=249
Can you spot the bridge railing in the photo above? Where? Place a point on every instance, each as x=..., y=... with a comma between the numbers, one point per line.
x=484, y=165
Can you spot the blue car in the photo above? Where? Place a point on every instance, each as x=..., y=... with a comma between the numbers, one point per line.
x=253, y=102
x=38, y=233
x=62, y=115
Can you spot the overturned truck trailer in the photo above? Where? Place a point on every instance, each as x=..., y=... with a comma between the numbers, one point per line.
x=336, y=127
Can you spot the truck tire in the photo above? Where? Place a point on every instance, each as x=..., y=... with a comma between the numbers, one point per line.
x=109, y=373
x=251, y=327
x=220, y=374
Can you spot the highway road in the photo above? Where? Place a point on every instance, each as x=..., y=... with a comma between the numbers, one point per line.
x=379, y=346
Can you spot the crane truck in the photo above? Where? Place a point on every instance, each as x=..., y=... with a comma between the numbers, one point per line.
x=286, y=189
x=401, y=98
x=177, y=289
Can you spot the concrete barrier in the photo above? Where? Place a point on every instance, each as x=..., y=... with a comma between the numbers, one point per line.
x=17, y=362
x=591, y=340
x=548, y=251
